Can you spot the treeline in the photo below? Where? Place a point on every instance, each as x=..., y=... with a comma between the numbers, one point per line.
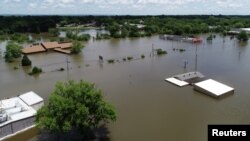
x=124, y=26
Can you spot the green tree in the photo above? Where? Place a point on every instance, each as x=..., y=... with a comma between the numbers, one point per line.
x=13, y=50
x=76, y=48
x=36, y=70
x=26, y=61
x=243, y=36
x=8, y=57
x=54, y=32
x=239, y=25
x=74, y=106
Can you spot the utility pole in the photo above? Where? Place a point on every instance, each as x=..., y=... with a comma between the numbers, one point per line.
x=152, y=49
x=67, y=62
x=196, y=58
x=172, y=44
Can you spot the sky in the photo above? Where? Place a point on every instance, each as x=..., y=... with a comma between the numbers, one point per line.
x=125, y=7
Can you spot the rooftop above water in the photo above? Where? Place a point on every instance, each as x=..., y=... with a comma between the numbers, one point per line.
x=17, y=108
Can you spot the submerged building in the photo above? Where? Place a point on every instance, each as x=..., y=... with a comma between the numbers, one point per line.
x=181, y=38
x=62, y=47
x=18, y=113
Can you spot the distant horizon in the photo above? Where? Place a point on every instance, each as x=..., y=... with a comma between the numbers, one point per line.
x=117, y=15
x=124, y=7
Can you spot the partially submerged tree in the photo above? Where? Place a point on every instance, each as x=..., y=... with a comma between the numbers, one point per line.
x=13, y=51
x=36, y=70
x=74, y=106
x=76, y=48
x=243, y=36
x=26, y=61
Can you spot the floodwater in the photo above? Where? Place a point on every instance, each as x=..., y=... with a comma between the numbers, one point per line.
x=148, y=108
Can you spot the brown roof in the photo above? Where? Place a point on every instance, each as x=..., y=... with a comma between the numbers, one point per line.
x=65, y=45
x=33, y=49
x=62, y=50
x=50, y=45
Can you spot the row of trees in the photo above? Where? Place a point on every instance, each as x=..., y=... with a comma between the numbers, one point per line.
x=76, y=36
x=159, y=24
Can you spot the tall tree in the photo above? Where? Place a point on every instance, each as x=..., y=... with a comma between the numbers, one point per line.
x=74, y=106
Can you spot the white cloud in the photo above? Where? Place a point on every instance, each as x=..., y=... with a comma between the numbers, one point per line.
x=229, y=3
x=67, y=1
x=128, y=6
x=33, y=5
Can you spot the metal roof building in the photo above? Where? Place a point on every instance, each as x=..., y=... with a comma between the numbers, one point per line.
x=18, y=113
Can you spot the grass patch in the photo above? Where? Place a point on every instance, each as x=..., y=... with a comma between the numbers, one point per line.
x=182, y=50
x=160, y=51
x=111, y=61
x=129, y=58
x=142, y=56
x=36, y=70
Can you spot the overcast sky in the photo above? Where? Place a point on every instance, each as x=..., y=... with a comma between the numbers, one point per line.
x=125, y=7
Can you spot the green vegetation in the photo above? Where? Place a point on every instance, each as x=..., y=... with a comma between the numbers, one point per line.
x=243, y=36
x=54, y=32
x=129, y=58
x=123, y=26
x=210, y=37
x=26, y=61
x=61, y=69
x=76, y=48
x=75, y=36
x=160, y=51
x=74, y=106
x=142, y=56
x=13, y=50
x=35, y=70
x=182, y=50
x=100, y=36
x=111, y=61
x=20, y=38
x=15, y=68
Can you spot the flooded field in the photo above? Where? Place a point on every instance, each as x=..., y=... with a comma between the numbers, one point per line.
x=148, y=108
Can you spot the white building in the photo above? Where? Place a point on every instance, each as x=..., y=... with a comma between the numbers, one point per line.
x=18, y=113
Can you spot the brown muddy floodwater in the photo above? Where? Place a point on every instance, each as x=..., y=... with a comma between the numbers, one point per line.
x=148, y=108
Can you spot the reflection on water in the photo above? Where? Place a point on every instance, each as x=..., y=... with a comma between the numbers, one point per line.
x=148, y=107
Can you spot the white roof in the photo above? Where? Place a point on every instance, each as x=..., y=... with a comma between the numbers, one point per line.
x=214, y=87
x=23, y=115
x=246, y=29
x=31, y=98
x=177, y=82
x=16, y=109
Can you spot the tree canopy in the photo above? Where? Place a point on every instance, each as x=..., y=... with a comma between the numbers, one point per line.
x=13, y=51
x=74, y=105
x=26, y=61
x=243, y=36
x=188, y=24
x=77, y=47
